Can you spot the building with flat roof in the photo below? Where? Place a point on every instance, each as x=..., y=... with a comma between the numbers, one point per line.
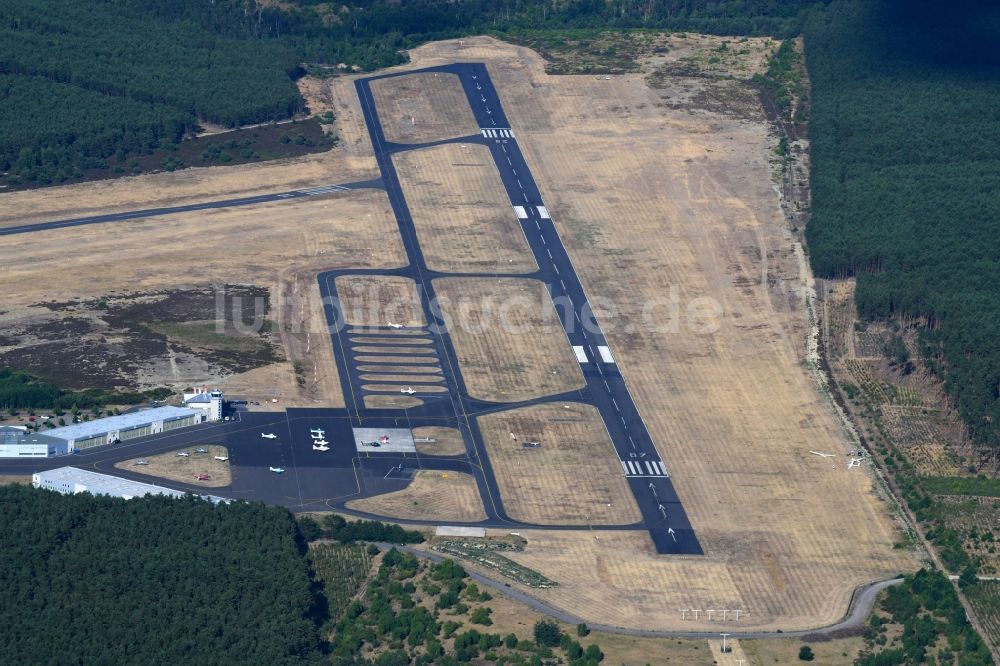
x=123, y=427
x=72, y=480
x=209, y=402
x=19, y=442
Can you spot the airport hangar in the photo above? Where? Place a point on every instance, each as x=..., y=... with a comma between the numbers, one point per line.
x=72, y=480
x=17, y=443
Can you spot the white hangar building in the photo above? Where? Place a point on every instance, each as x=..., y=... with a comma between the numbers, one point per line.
x=72, y=480
x=114, y=429
x=19, y=442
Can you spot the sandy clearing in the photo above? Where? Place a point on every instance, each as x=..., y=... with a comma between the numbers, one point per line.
x=464, y=220
x=444, y=496
x=447, y=441
x=281, y=246
x=574, y=477
x=419, y=108
x=508, y=338
x=376, y=300
x=186, y=469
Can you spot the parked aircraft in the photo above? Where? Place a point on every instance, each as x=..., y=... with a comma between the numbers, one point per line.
x=321, y=447
x=318, y=431
x=374, y=445
x=184, y=454
x=821, y=455
x=854, y=462
x=408, y=390
x=277, y=470
x=391, y=325
x=204, y=477
x=268, y=435
x=201, y=450
x=320, y=442
x=141, y=462
x=221, y=458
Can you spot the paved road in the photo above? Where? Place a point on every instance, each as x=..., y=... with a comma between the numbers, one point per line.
x=170, y=210
x=857, y=613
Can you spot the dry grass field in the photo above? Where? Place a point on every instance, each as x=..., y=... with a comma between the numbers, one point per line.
x=397, y=388
x=415, y=369
x=418, y=108
x=444, y=496
x=508, y=338
x=657, y=198
x=392, y=401
x=12, y=479
x=464, y=220
x=172, y=467
x=374, y=300
x=280, y=246
x=416, y=379
x=447, y=441
x=574, y=476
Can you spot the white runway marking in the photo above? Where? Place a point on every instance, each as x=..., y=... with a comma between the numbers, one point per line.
x=581, y=354
x=543, y=212
x=315, y=191
x=635, y=468
x=521, y=213
x=605, y=354
x=500, y=133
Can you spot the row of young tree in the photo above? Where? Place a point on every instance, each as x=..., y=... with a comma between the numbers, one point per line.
x=905, y=157
x=99, y=580
x=83, y=81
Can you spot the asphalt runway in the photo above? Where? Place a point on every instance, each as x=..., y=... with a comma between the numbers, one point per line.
x=155, y=212
x=317, y=480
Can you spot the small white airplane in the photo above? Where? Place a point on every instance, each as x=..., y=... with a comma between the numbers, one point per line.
x=391, y=325
x=318, y=431
x=268, y=435
x=317, y=435
x=408, y=390
x=201, y=450
x=222, y=458
x=321, y=447
x=320, y=442
x=821, y=455
x=141, y=462
x=277, y=470
x=854, y=462
x=184, y=454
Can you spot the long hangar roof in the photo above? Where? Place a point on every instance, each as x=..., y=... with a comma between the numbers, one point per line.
x=88, y=429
